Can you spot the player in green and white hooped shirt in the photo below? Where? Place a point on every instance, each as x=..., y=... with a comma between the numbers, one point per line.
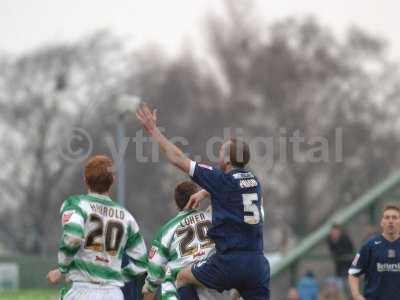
x=179, y=242
x=96, y=233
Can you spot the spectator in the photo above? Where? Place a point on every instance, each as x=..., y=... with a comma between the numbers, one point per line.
x=332, y=290
x=308, y=287
x=341, y=249
x=293, y=294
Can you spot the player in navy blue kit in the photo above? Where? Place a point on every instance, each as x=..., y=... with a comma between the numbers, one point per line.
x=237, y=225
x=379, y=261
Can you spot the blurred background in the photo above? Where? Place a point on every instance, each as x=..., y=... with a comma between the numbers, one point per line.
x=327, y=72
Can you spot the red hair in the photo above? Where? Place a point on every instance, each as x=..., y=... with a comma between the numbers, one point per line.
x=98, y=173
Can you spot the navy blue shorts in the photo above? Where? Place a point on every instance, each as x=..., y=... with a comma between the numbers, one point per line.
x=246, y=272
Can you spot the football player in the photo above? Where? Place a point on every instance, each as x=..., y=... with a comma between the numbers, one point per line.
x=96, y=233
x=237, y=224
x=379, y=261
x=179, y=243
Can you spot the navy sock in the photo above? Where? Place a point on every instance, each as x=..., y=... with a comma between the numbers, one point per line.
x=188, y=292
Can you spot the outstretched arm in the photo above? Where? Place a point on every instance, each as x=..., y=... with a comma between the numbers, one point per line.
x=136, y=250
x=175, y=155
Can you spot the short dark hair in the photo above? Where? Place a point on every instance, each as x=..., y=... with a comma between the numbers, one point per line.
x=98, y=173
x=183, y=191
x=391, y=207
x=239, y=153
x=337, y=226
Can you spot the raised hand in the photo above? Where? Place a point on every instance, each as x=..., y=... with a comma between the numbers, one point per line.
x=147, y=117
x=196, y=198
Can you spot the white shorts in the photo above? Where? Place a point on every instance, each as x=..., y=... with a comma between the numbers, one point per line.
x=90, y=291
x=203, y=293
x=209, y=294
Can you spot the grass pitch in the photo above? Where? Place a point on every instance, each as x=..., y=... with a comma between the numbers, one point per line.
x=34, y=294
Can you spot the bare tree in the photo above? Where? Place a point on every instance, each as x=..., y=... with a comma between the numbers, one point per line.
x=45, y=94
x=296, y=76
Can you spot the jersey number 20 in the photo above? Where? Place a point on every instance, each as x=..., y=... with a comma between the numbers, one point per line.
x=113, y=231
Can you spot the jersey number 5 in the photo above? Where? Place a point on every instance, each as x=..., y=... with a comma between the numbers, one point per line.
x=252, y=211
x=113, y=230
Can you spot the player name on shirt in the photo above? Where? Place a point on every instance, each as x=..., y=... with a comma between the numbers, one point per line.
x=248, y=183
x=107, y=211
x=193, y=219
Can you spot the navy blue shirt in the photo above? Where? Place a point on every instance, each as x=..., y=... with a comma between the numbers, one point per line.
x=237, y=214
x=379, y=261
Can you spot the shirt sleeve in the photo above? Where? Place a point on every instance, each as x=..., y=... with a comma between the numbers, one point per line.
x=206, y=176
x=136, y=251
x=158, y=259
x=73, y=222
x=361, y=261
x=168, y=288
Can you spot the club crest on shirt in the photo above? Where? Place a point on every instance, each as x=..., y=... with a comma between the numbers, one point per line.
x=391, y=253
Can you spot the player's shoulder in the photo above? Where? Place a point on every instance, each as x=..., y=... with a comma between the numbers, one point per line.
x=78, y=199
x=192, y=217
x=176, y=220
x=101, y=199
x=372, y=241
x=71, y=201
x=193, y=212
x=242, y=174
x=171, y=225
x=74, y=199
x=201, y=214
x=128, y=216
x=205, y=167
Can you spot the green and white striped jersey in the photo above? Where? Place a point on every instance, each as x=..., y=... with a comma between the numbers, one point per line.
x=180, y=242
x=96, y=233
